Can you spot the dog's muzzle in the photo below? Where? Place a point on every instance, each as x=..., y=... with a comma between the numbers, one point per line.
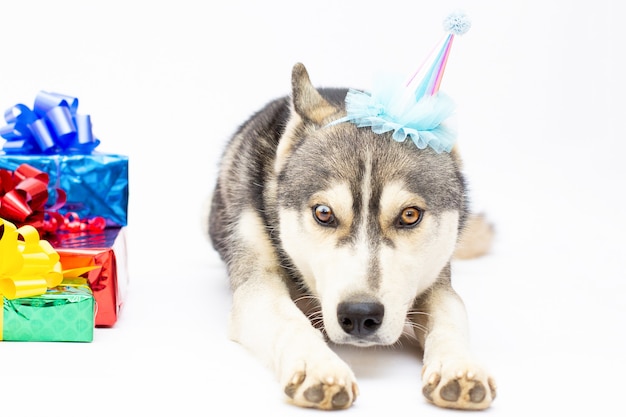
x=360, y=319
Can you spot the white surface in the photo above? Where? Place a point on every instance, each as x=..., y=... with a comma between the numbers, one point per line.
x=539, y=87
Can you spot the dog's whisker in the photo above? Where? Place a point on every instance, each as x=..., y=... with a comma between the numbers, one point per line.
x=316, y=320
x=398, y=344
x=306, y=297
x=316, y=315
x=416, y=326
x=418, y=313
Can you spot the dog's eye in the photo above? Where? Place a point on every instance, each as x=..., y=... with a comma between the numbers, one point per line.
x=409, y=217
x=324, y=215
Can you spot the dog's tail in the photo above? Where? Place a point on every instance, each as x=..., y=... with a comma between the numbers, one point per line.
x=476, y=238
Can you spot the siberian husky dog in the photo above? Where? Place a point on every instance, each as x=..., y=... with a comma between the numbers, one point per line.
x=335, y=233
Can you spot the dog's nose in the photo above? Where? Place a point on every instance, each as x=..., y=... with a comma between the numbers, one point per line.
x=360, y=319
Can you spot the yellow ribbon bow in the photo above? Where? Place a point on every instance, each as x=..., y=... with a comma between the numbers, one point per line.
x=28, y=266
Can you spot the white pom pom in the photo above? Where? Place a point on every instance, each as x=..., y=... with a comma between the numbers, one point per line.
x=457, y=23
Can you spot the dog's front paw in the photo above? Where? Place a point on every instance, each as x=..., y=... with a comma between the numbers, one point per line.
x=458, y=384
x=327, y=384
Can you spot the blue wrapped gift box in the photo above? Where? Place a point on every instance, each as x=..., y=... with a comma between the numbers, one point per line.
x=96, y=184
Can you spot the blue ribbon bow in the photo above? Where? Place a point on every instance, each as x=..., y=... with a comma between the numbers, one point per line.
x=52, y=126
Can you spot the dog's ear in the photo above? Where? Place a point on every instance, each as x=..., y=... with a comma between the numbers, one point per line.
x=456, y=155
x=308, y=110
x=307, y=101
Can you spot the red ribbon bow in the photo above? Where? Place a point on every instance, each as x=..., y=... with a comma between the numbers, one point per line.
x=24, y=194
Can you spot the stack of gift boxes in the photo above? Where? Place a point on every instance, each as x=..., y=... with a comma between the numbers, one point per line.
x=63, y=219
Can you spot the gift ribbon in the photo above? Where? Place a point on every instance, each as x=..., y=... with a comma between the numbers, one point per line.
x=72, y=223
x=28, y=266
x=52, y=126
x=24, y=194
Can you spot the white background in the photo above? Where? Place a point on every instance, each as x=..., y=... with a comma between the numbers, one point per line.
x=539, y=87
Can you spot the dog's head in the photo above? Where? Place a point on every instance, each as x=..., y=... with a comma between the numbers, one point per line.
x=370, y=223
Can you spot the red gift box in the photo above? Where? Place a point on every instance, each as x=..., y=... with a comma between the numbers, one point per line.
x=106, y=249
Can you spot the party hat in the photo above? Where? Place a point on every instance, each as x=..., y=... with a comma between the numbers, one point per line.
x=427, y=79
x=416, y=108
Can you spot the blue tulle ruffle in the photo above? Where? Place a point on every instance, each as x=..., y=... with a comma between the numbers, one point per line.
x=390, y=107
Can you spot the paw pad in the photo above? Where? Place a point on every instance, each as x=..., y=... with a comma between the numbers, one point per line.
x=329, y=394
x=462, y=391
x=451, y=391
